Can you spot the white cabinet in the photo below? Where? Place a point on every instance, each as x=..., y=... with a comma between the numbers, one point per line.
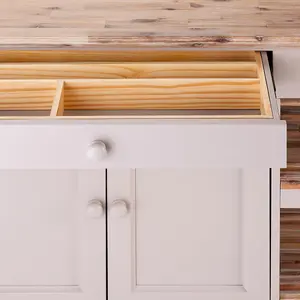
x=51, y=247
x=141, y=188
x=165, y=234
x=189, y=234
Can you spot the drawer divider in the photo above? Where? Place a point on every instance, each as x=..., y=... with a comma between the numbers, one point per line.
x=264, y=94
x=58, y=101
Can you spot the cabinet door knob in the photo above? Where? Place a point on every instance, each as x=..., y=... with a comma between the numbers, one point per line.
x=119, y=208
x=97, y=150
x=95, y=208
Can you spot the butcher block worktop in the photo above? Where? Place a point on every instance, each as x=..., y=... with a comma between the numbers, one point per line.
x=259, y=24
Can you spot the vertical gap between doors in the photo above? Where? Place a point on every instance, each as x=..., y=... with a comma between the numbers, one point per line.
x=270, y=233
x=106, y=234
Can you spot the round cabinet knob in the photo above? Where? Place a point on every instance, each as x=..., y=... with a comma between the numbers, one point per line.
x=95, y=209
x=119, y=208
x=97, y=151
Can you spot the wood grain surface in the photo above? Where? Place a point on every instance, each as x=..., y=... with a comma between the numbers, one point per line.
x=290, y=218
x=260, y=24
x=290, y=111
x=57, y=108
x=227, y=84
x=128, y=70
x=120, y=94
x=290, y=254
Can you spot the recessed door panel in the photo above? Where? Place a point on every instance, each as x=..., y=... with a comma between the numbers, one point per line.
x=49, y=244
x=189, y=234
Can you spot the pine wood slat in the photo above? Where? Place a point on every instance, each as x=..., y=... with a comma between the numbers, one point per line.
x=162, y=94
x=264, y=94
x=26, y=95
x=58, y=102
x=134, y=94
x=126, y=55
x=77, y=70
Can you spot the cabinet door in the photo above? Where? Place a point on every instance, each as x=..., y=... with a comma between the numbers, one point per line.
x=188, y=234
x=50, y=248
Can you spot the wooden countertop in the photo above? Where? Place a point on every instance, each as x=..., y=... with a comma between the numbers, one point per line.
x=259, y=24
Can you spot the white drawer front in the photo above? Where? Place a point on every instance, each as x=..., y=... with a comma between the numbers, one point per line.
x=143, y=144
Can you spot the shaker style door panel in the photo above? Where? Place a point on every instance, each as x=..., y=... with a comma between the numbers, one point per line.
x=188, y=234
x=52, y=240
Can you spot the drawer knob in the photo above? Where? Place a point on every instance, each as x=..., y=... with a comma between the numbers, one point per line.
x=119, y=208
x=97, y=150
x=95, y=209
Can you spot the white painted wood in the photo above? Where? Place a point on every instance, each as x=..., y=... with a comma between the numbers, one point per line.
x=190, y=234
x=97, y=151
x=118, y=208
x=275, y=234
x=95, y=209
x=156, y=143
x=290, y=198
x=50, y=248
x=286, y=65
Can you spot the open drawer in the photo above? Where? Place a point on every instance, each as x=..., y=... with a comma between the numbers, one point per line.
x=138, y=109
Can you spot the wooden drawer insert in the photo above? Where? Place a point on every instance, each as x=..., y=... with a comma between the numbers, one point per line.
x=135, y=85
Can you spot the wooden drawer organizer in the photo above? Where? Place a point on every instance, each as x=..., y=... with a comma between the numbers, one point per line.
x=52, y=84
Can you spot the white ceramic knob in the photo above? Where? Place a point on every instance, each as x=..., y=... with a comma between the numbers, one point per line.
x=119, y=208
x=95, y=209
x=97, y=150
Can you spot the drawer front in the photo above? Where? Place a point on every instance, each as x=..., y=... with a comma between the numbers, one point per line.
x=137, y=144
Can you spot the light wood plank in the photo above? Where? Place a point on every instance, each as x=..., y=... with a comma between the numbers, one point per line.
x=126, y=55
x=167, y=23
x=161, y=94
x=58, y=101
x=264, y=94
x=77, y=70
x=26, y=95
x=134, y=94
